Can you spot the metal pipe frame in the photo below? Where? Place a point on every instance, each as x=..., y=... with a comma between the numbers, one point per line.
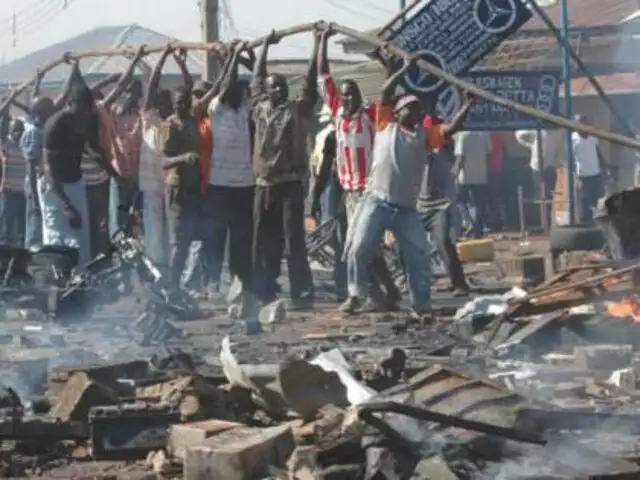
x=223, y=50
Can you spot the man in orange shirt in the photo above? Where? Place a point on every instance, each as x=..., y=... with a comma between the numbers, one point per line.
x=400, y=150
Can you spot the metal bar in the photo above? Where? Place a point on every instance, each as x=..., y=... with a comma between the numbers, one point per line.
x=404, y=9
x=568, y=110
x=564, y=42
x=523, y=226
x=489, y=96
x=375, y=42
x=365, y=412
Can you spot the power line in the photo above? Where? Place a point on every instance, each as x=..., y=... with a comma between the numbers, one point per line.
x=353, y=11
x=22, y=27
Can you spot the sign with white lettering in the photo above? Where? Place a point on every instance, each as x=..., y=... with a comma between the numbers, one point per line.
x=537, y=89
x=455, y=34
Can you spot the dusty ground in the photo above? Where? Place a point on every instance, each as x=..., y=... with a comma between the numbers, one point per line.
x=364, y=339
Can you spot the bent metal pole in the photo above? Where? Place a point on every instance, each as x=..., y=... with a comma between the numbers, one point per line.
x=375, y=42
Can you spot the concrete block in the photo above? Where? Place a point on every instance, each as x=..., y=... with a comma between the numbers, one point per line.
x=433, y=467
x=603, y=357
x=195, y=433
x=527, y=269
x=624, y=378
x=242, y=453
x=80, y=394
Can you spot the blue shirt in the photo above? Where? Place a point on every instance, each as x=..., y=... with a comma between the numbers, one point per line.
x=31, y=144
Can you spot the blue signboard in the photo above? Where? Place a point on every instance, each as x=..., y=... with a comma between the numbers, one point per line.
x=537, y=89
x=455, y=34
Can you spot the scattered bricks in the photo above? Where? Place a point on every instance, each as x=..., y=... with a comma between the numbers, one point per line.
x=130, y=430
x=103, y=373
x=196, y=397
x=195, y=433
x=79, y=395
x=239, y=454
x=603, y=357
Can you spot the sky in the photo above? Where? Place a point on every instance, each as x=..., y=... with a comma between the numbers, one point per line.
x=39, y=23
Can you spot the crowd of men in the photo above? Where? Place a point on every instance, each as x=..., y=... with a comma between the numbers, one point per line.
x=211, y=164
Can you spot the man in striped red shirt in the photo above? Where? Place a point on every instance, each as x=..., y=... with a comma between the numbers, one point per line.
x=355, y=128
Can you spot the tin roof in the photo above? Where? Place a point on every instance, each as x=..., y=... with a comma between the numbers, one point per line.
x=99, y=38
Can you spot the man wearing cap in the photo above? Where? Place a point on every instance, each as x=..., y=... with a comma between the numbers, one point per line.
x=354, y=130
x=400, y=153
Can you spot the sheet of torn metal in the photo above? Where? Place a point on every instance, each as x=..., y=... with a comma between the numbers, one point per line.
x=452, y=393
x=334, y=361
x=232, y=369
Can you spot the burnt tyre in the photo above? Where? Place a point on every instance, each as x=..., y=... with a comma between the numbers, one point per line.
x=575, y=238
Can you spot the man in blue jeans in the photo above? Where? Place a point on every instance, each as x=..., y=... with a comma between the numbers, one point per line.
x=400, y=153
x=31, y=145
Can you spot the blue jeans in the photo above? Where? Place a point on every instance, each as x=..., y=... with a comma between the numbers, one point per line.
x=33, y=221
x=332, y=206
x=12, y=218
x=376, y=216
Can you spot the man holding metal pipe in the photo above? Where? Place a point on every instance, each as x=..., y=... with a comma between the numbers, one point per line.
x=354, y=130
x=400, y=153
x=281, y=166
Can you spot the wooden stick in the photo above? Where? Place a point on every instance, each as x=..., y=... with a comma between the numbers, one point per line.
x=374, y=41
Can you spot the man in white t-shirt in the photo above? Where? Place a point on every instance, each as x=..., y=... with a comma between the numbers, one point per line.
x=589, y=170
x=156, y=108
x=228, y=202
x=473, y=151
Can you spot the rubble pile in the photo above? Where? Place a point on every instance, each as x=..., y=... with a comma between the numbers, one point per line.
x=527, y=384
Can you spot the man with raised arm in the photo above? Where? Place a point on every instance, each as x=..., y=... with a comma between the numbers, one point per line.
x=62, y=192
x=400, y=153
x=156, y=108
x=354, y=130
x=182, y=141
x=228, y=201
x=281, y=166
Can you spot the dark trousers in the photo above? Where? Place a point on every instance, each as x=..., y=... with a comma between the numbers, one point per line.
x=183, y=217
x=478, y=196
x=119, y=202
x=13, y=214
x=497, y=216
x=333, y=207
x=228, y=209
x=279, y=215
x=438, y=223
x=98, y=206
x=590, y=190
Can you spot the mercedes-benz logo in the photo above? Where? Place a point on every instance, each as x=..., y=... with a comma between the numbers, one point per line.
x=421, y=81
x=495, y=16
x=449, y=102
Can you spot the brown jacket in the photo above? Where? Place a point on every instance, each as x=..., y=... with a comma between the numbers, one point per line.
x=281, y=140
